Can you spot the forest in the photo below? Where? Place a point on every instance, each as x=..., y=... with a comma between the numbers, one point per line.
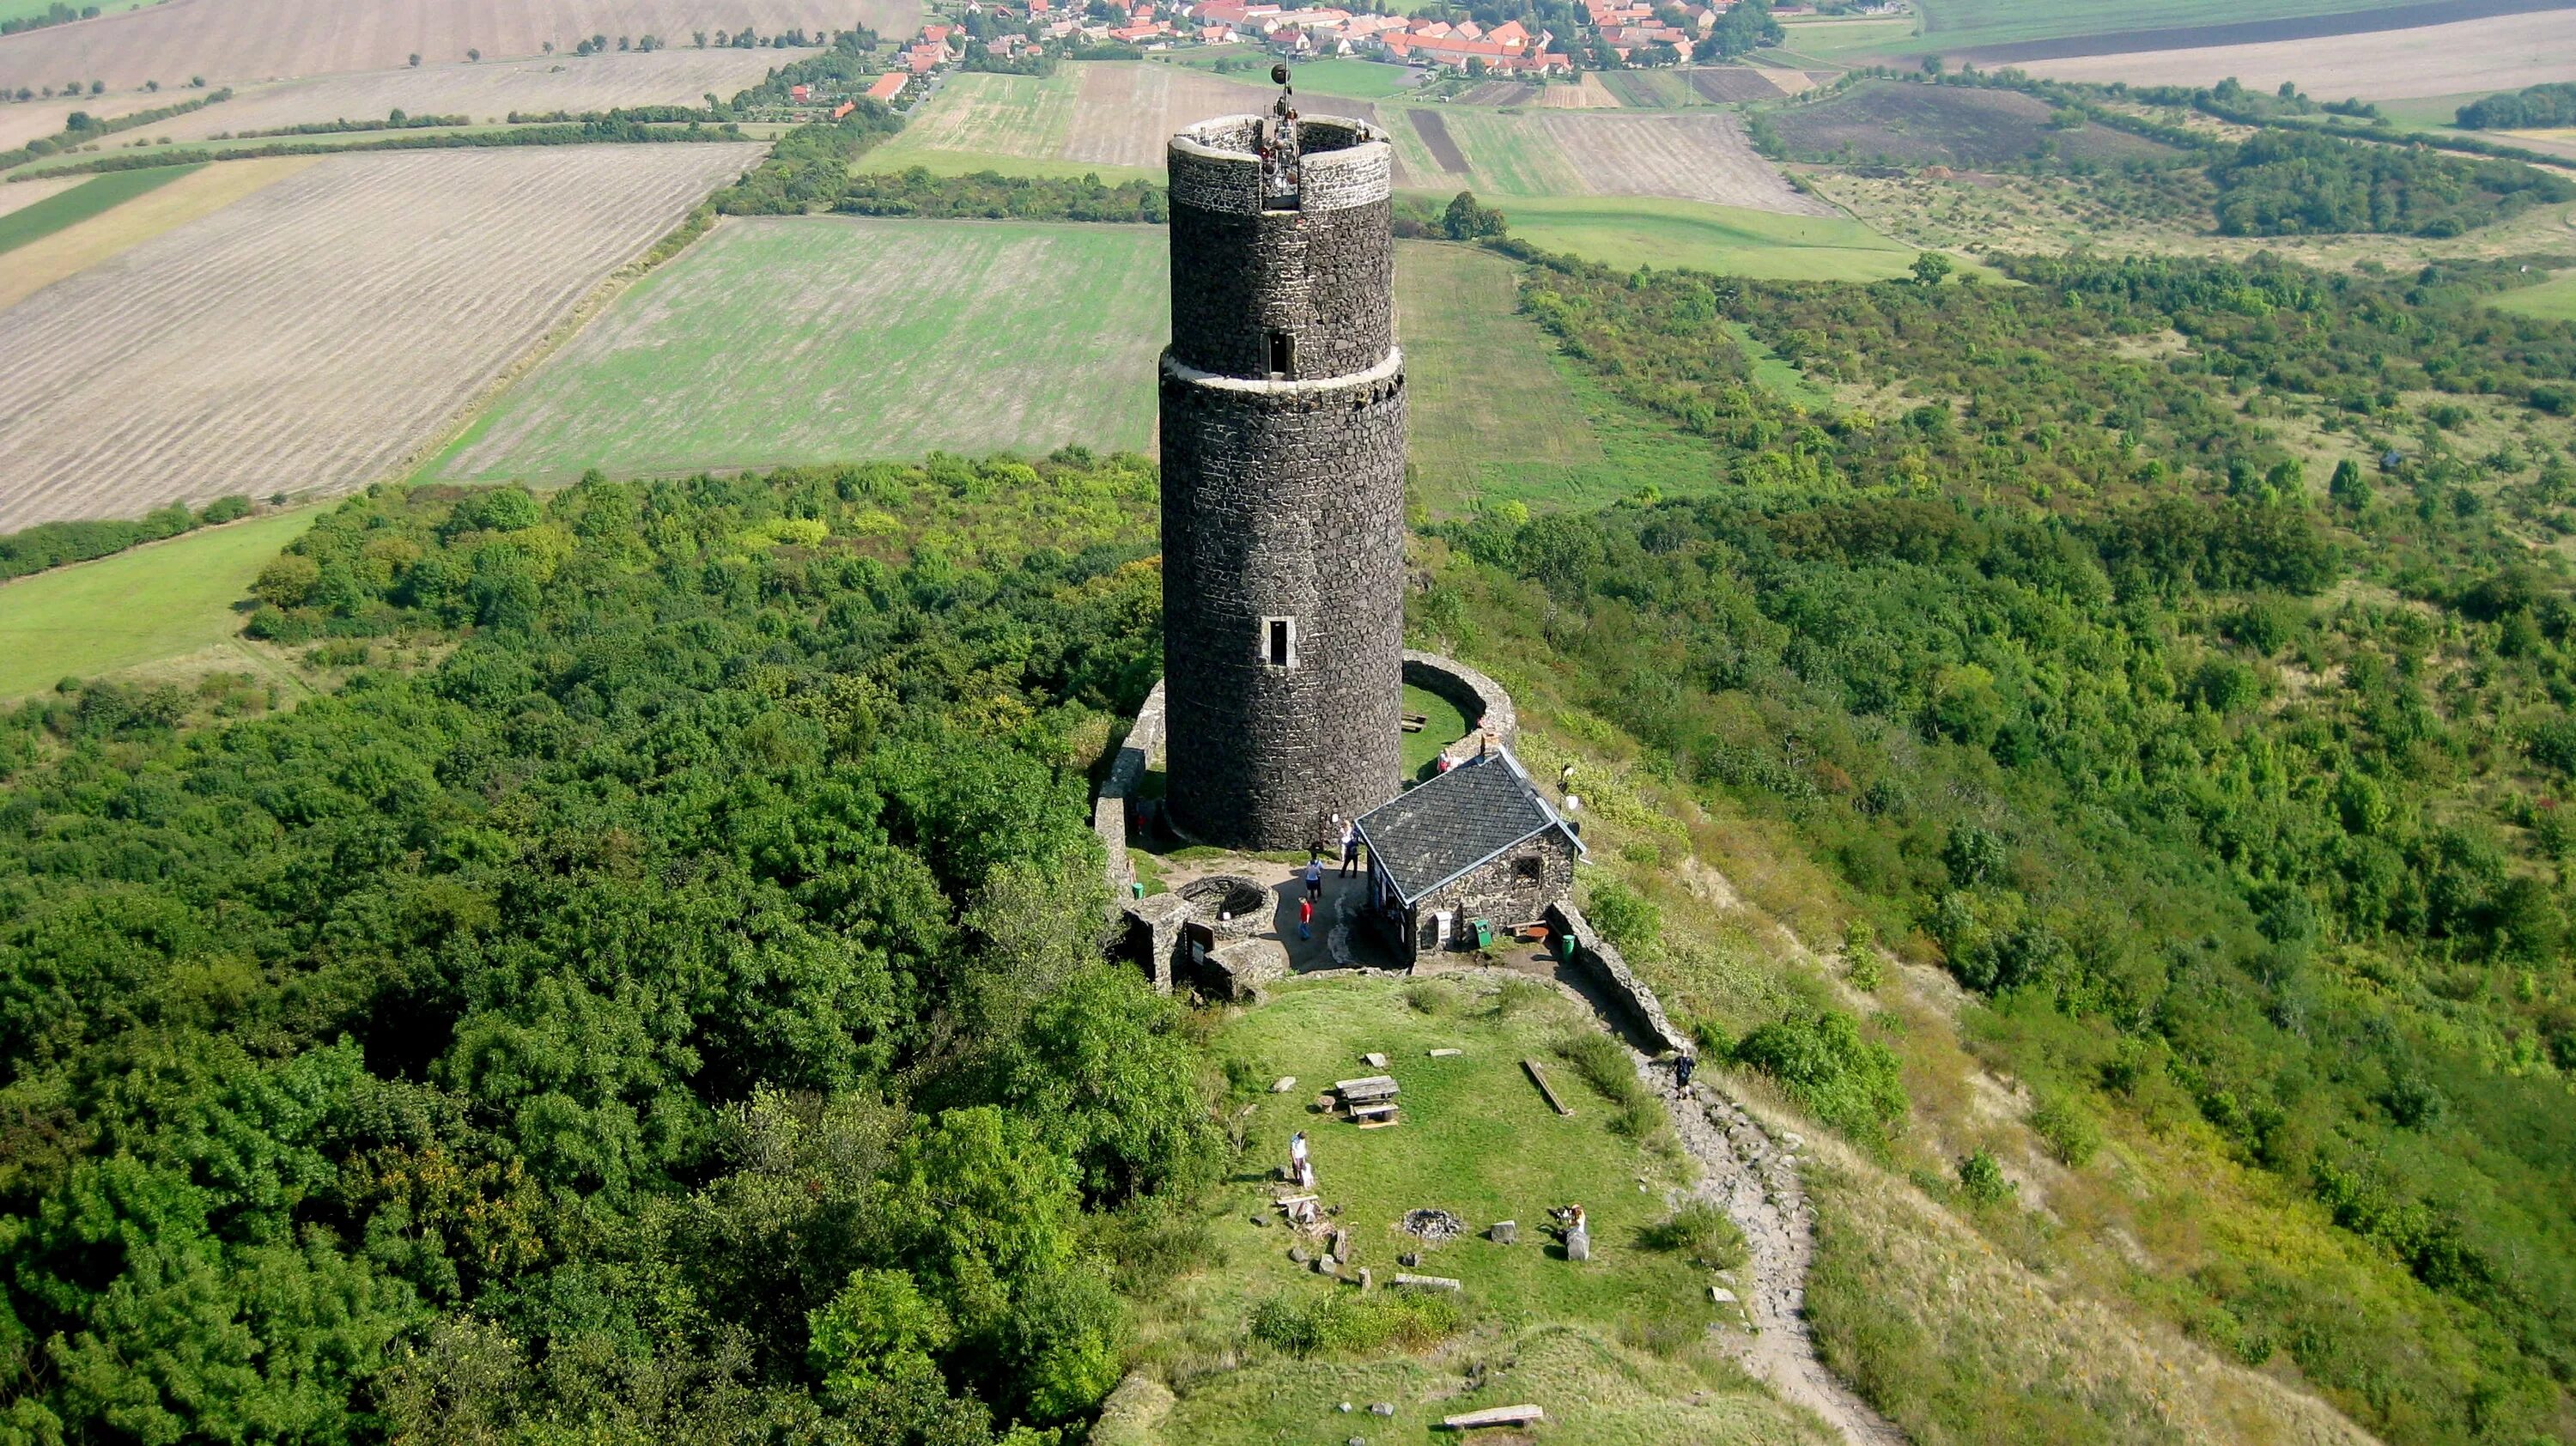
x=2233, y=794
x=657, y=996
x=987, y=195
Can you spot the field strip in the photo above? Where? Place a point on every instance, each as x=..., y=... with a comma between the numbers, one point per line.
x=46, y=260
x=809, y=339
x=23, y=194
x=309, y=337
x=2337, y=22
x=248, y=41
x=977, y=112
x=2504, y=53
x=1687, y=157
x=486, y=92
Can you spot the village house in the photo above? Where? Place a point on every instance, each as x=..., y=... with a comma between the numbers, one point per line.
x=1475, y=846
x=887, y=87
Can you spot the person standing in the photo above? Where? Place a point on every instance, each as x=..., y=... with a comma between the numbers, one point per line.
x=1305, y=918
x=1314, y=879
x=1298, y=1164
x=1682, y=1070
x=1350, y=848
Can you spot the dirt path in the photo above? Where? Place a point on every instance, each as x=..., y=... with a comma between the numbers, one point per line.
x=1754, y=1175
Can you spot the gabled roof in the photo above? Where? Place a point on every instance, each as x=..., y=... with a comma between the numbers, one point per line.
x=1429, y=835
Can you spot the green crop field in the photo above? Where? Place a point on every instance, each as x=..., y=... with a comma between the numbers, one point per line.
x=1829, y=39
x=1951, y=25
x=1509, y=155
x=819, y=338
x=1358, y=79
x=81, y=202
x=1476, y=1140
x=1652, y=231
x=1488, y=408
x=2554, y=299
x=144, y=606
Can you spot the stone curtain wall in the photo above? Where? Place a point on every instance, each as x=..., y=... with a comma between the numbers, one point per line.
x=1488, y=709
x=1600, y=959
x=1282, y=497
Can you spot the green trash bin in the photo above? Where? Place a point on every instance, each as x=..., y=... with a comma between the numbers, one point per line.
x=1565, y=946
x=1484, y=933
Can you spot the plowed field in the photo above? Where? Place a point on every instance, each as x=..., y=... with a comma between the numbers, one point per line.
x=1593, y=153
x=313, y=334
x=2505, y=53
x=489, y=91
x=251, y=40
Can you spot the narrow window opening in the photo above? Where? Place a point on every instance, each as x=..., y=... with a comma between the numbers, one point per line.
x=1279, y=642
x=1283, y=354
x=1526, y=869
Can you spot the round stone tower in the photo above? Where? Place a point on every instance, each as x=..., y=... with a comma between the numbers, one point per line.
x=1283, y=479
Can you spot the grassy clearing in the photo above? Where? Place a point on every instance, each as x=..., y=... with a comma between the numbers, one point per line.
x=1447, y=726
x=1487, y=400
x=820, y=338
x=145, y=606
x=1614, y=1349
x=83, y=201
x=2554, y=299
x=975, y=113
x=1654, y=231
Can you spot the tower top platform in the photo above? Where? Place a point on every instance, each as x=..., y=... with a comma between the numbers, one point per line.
x=1231, y=163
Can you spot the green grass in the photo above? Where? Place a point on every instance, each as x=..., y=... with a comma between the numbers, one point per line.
x=138, y=607
x=89, y=198
x=1952, y=25
x=1654, y=231
x=2553, y=300
x=1476, y=1140
x=1775, y=373
x=1488, y=406
x=824, y=338
x=1832, y=39
x=1509, y=155
x=967, y=163
x=1356, y=79
x=1447, y=726
x=981, y=114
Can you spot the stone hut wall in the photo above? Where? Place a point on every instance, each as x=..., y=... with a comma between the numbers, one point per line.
x=1496, y=891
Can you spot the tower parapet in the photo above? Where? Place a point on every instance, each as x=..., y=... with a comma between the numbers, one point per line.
x=1283, y=479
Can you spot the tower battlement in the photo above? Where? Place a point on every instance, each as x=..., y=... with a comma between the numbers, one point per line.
x=1283, y=479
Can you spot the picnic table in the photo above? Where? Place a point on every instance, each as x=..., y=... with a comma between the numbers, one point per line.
x=1369, y=1102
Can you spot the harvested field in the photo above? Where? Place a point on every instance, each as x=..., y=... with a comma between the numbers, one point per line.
x=1730, y=83
x=22, y=121
x=1100, y=113
x=1692, y=158
x=799, y=339
x=314, y=334
x=1907, y=124
x=75, y=248
x=488, y=92
x=27, y=193
x=252, y=40
x=2504, y=53
x=2001, y=32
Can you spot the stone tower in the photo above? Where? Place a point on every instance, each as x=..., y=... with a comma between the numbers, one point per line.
x=1283, y=479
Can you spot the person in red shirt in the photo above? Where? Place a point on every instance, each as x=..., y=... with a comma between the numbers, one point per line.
x=1306, y=918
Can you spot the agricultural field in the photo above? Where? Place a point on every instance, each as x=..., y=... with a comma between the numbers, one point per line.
x=487, y=92
x=2505, y=52
x=254, y=40
x=1490, y=411
x=312, y=335
x=1562, y=153
x=1658, y=231
x=1896, y=123
x=1951, y=27
x=68, y=201
x=22, y=121
x=1358, y=79
x=150, y=209
x=820, y=338
x=149, y=605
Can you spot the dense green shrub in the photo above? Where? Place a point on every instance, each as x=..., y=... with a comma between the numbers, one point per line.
x=1849, y=1082
x=1316, y=1323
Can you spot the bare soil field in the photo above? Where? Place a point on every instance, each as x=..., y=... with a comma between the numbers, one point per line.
x=314, y=334
x=253, y=40
x=1901, y=123
x=2504, y=53
x=487, y=92
x=1690, y=157
x=28, y=193
x=22, y=121
x=1587, y=94
x=1124, y=113
x=77, y=247
x=1434, y=130
x=2362, y=19
x=1724, y=83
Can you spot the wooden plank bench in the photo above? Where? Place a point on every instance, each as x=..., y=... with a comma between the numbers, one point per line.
x=1372, y=1117
x=1539, y=1077
x=1371, y=1090
x=1494, y=1416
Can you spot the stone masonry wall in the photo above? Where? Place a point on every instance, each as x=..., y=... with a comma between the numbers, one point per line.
x=1494, y=890
x=1284, y=500
x=1323, y=278
x=1487, y=708
x=1601, y=959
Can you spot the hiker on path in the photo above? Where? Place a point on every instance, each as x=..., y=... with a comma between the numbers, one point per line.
x=1314, y=879
x=1350, y=848
x=1305, y=918
x=1682, y=1069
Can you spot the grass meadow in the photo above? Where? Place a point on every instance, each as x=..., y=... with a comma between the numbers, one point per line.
x=1951, y=25
x=2554, y=299
x=1358, y=79
x=89, y=198
x=1615, y=1349
x=143, y=606
x=1656, y=231
x=820, y=338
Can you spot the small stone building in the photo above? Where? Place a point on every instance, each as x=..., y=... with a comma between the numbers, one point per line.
x=1476, y=842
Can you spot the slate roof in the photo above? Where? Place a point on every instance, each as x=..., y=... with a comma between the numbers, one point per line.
x=1446, y=825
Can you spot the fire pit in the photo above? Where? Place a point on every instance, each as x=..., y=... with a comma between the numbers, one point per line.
x=1436, y=1227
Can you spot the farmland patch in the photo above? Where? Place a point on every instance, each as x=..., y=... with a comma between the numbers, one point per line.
x=311, y=336
x=23, y=194
x=1650, y=89
x=62, y=207
x=1433, y=128
x=1692, y=158
x=139, y=607
x=1902, y=123
x=1489, y=410
x=1633, y=231
x=200, y=192
x=1010, y=115
x=487, y=92
x=1733, y=83
x=2104, y=27
x=252, y=40
x=817, y=338
x=2501, y=53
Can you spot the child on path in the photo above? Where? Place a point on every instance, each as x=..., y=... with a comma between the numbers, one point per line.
x=1305, y=918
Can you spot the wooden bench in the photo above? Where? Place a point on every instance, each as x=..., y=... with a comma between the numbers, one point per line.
x=1368, y=1091
x=1494, y=1416
x=1370, y=1117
